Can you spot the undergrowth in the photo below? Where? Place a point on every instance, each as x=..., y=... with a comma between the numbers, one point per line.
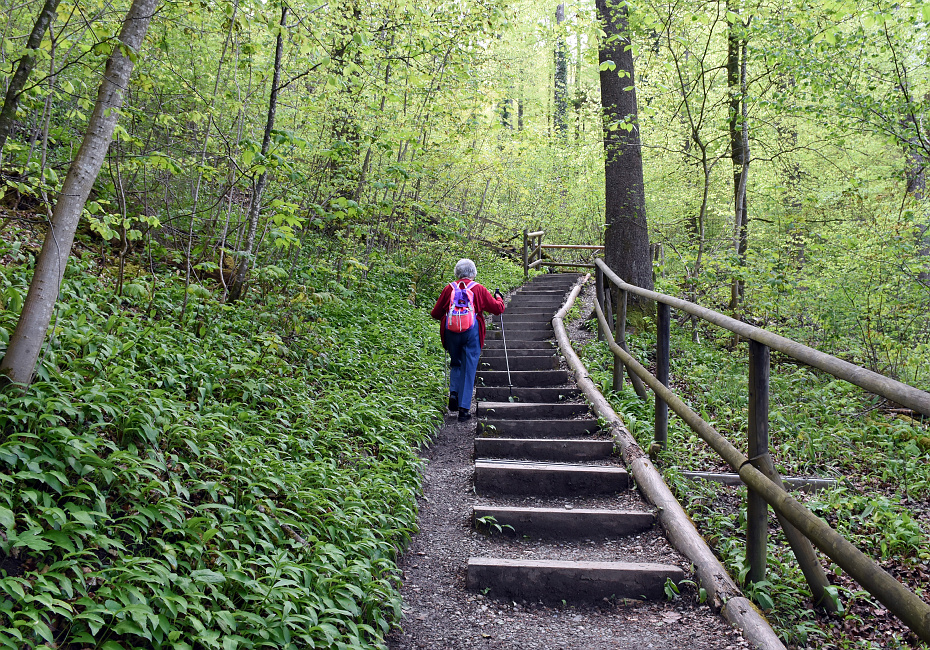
x=244, y=477
x=819, y=426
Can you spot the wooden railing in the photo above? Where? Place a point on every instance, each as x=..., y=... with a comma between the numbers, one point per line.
x=533, y=252
x=801, y=526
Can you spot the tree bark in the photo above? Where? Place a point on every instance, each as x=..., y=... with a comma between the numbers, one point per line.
x=626, y=239
x=23, y=353
x=255, y=207
x=24, y=69
x=561, y=75
x=739, y=154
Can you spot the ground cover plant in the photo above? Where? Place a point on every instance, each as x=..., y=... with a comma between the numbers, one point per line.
x=243, y=477
x=820, y=426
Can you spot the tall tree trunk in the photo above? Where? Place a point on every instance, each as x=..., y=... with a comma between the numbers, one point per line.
x=255, y=207
x=561, y=75
x=24, y=69
x=21, y=356
x=626, y=239
x=739, y=146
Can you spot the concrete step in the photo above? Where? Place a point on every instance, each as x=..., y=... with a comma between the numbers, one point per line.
x=542, y=292
x=521, y=326
x=537, y=428
x=533, y=301
x=498, y=344
x=522, y=378
x=527, y=335
x=532, y=317
x=562, y=523
x=522, y=311
x=517, y=352
x=548, y=479
x=503, y=394
x=531, y=411
x=556, y=449
x=518, y=363
x=553, y=580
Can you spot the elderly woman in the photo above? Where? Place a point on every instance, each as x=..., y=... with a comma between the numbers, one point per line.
x=460, y=312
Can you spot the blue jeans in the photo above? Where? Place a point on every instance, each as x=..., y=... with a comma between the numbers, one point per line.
x=464, y=349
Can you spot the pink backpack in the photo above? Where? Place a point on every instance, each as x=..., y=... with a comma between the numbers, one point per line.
x=461, y=316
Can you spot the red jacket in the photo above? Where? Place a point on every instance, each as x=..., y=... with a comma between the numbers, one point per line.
x=484, y=302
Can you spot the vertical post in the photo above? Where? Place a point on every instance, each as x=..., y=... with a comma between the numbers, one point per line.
x=526, y=263
x=663, y=348
x=599, y=294
x=757, y=515
x=609, y=304
x=619, y=296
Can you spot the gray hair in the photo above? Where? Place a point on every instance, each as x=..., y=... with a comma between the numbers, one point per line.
x=465, y=268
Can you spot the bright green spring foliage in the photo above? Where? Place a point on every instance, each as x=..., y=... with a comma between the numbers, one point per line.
x=244, y=478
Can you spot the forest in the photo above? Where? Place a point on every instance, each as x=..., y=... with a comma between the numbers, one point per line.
x=222, y=225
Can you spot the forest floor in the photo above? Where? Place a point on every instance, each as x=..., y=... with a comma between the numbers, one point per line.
x=439, y=612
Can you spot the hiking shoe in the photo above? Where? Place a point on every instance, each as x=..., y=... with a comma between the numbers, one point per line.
x=464, y=414
x=453, y=401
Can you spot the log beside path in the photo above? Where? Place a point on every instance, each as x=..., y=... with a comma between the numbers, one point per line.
x=530, y=534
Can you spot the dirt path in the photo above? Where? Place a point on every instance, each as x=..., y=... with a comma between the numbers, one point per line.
x=440, y=613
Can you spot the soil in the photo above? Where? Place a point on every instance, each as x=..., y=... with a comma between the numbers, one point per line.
x=439, y=612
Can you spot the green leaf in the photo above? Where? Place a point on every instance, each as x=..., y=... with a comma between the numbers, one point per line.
x=7, y=518
x=207, y=576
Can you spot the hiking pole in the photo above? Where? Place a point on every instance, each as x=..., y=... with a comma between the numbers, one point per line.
x=506, y=356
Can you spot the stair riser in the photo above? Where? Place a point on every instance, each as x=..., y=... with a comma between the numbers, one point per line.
x=493, y=344
x=530, y=317
x=529, y=395
x=565, y=481
x=493, y=353
x=537, y=428
x=531, y=335
x=565, y=524
x=567, y=451
x=522, y=378
x=518, y=363
x=577, y=582
x=518, y=411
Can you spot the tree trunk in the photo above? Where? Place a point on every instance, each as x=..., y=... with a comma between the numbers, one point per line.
x=24, y=69
x=561, y=75
x=626, y=239
x=26, y=342
x=739, y=146
x=255, y=207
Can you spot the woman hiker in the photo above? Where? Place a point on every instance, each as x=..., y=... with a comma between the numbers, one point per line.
x=460, y=312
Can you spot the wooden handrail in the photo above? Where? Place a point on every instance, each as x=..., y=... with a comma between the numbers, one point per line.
x=574, y=247
x=800, y=525
x=903, y=394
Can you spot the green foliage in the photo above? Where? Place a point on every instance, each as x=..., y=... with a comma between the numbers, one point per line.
x=244, y=478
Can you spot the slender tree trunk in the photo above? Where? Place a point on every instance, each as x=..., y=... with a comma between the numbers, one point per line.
x=739, y=146
x=21, y=356
x=626, y=239
x=235, y=291
x=24, y=69
x=561, y=75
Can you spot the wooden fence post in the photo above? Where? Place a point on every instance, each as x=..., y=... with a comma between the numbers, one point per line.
x=526, y=262
x=619, y=300
x=757, y=510
x=663, y=349
x=599, y=296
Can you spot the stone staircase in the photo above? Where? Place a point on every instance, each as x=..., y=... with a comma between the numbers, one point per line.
x=544, y=472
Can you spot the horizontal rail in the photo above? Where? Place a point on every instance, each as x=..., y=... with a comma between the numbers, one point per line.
x=538, y=233
x=902, y=602
x=533, y=265
x=574, y=247
x=873, y=382
x=582, y=265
